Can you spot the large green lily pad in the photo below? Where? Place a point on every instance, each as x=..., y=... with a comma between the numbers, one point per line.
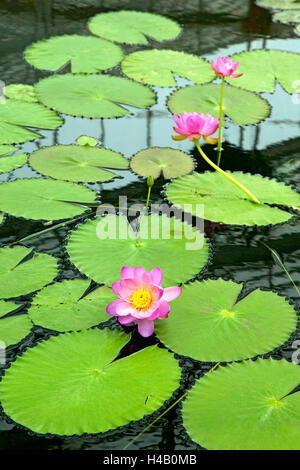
x=93, y=96
x=60, y=307
x=243, y=107
x=87, y=391
x=246, y=406
x=225, y=202
x=44, y=199
x=77, y=163
x=87, y=54
x=101, y=247
x=156, y=67
x=18, y=277
x=132, y=27
x=209, y=324
x=12, y=328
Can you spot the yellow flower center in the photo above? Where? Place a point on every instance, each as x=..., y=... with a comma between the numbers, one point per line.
x=141, y=299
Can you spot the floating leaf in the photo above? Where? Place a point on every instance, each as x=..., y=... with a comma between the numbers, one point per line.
x=225, y=202
x=86, y=140
x=101, y=247
x=14, y=161
x=19, y=91
x=43, y=199
x=132, y=27
x=246, y=407
x=74, y=396
x=156, y=160
x=19, y=277
x=60, y=307
x=5, y=149
x=1, y=218
x=12, y=328
x=288, y=16
x=155, y=67
x=280, y=4
x=15, y=114
x=94, y=96
x=77, y=163
x=261, y=69
x=225, y=329
x=241, y=106
x=87, y=54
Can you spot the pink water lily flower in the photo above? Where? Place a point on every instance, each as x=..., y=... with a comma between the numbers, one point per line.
x=225, y=68
x=142, y=300
x=195, y=125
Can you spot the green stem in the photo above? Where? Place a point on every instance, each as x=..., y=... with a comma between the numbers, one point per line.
x=148, y=197
x=233, y=180
x=221, y=123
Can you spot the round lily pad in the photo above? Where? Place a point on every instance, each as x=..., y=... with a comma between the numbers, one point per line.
x=74, y=395
x=12, y=328
x=44, y=199
x=262, y=68
x=14, y=161
x=77, y=163
x=86, y=54
x=132, y=27
x=86, y=140
x=246, y=406
x=280, y=4
x=156, y=160
x=19, y=91
x=101, y=247
x=156, y=67
x=19, y=276
x=223, y=328
x=16, y=116
x=225, y=202
x=242, y=107
x=60, y=306
x=94, y=96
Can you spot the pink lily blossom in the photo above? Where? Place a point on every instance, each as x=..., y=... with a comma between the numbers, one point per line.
x=194, y=126
x=142, y=300
x=225, y=68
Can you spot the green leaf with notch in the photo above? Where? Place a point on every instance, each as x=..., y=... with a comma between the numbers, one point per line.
x=12, y=328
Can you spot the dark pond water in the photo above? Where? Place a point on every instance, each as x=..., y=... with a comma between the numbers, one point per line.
x=271, y=148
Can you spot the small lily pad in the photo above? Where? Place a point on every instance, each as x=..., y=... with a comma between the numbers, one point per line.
x=156, y=160
x=60, y=307
x=133, y=27
x=225, y=329
x=19, y=276
x=86, y=140
x=12, y=328
x=156, y=67
x=86, y=54
x=243, y=107
x=101, y=247
x=225, y=202
x=74, y=396
x=12, y=162
x=77, y=163
x=44, y=199
x=246, y=406
x=21, y=92
x=93, y=96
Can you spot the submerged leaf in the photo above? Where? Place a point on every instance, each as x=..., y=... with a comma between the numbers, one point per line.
x=101, y=247
x=86, y=54
x=14, y=161
x=280, y=4
x=19, y=277
x=156, y=160
x=60, y=307
x=87, y=391
x=94, y=96
x=288, y=16
x=12, y=328
x=241, y=106
x=43, y=199
x=155, y=67
x=225, y=202
x=225, y=329
x=77, y=163
x=132, y=27
x=21, y=92
x=246, y=406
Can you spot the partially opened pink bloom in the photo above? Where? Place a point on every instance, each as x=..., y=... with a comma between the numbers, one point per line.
x=194, y=126
x=142, y=300
x=225, y=68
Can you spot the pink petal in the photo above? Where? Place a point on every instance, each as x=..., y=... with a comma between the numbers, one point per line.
x=171, y=293
x=111, y=307
x=145, y=327
x=124, y=288
x=127, y=272
x=124, y=308
x=138, y=272
x=127, y=320
x=156, y=276
x=236, y=75
x=164, y=308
